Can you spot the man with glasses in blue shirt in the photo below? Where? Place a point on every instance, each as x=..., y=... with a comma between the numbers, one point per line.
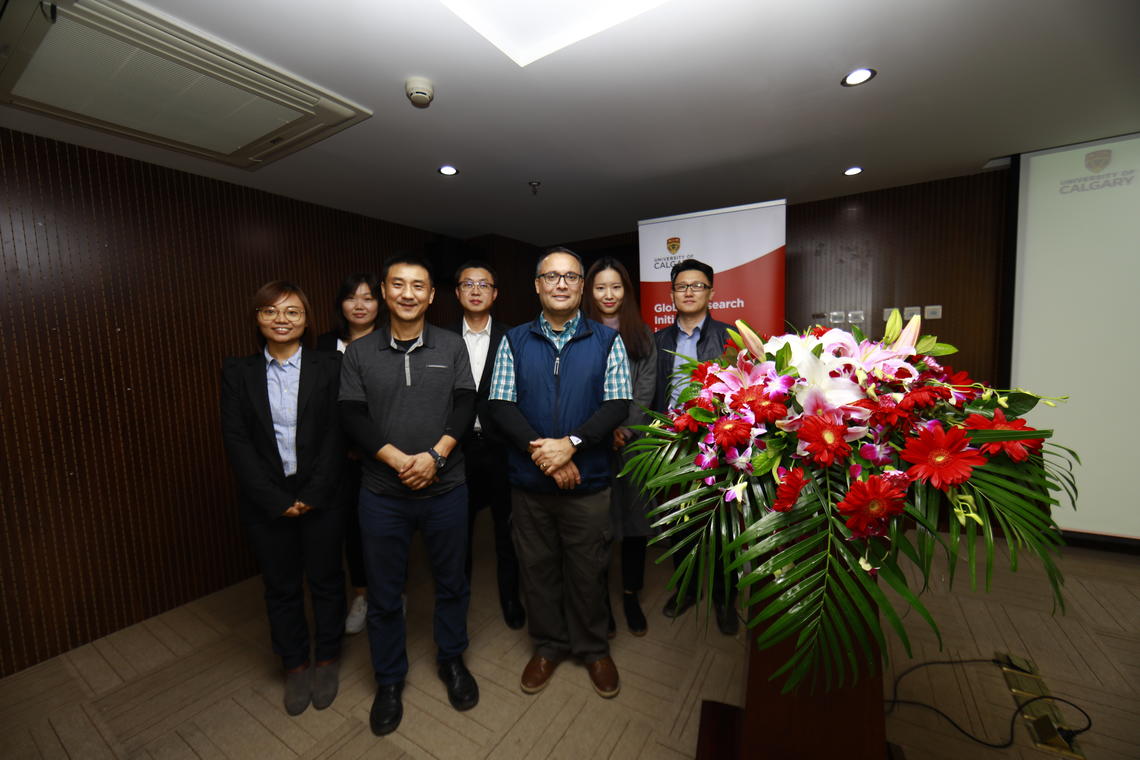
x=484, y=454
x=560, y=386
x=694, y=334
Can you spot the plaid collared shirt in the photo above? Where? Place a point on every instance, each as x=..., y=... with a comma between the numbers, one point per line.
x=617, y=383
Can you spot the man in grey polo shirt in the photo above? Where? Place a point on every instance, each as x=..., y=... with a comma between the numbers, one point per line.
x=407, y=395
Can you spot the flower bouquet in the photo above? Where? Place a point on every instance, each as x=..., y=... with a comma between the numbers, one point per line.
x=817, y=464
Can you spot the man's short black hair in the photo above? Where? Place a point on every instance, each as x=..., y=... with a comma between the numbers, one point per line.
x=691, y=264
x=557, y=249
x=477, y=264
x=409, y=259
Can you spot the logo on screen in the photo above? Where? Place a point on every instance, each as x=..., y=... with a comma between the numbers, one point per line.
x=674, y=244
x=1098, y=160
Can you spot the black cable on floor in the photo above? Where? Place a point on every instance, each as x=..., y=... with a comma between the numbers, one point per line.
x=1065, y=733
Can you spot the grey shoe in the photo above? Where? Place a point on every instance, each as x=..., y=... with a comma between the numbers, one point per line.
x=325, y=682
x=297, y=691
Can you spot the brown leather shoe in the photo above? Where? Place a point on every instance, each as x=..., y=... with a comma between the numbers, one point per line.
x=604, y=675
x=537, y=674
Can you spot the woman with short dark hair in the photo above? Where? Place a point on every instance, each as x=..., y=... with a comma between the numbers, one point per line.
x=283, y=439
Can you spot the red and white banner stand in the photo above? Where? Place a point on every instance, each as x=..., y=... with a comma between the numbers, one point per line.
x=745, y=247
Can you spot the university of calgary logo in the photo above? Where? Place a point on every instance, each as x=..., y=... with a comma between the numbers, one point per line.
x=1098, y=160
x=674, y=244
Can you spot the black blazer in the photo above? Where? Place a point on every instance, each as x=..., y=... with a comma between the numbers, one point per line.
x=327, y=341
x=498, y=330
x=247, y=430
x=710, y=346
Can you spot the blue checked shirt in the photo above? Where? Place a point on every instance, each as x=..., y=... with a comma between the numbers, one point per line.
x=617, y=383
x=283, y=382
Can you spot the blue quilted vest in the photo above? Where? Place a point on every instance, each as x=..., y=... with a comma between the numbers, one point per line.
x=557, y=392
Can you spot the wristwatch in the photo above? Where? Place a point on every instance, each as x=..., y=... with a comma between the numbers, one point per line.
x=440, y=459
x=575, y=441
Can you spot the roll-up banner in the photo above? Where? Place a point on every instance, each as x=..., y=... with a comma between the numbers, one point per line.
x=745, y=247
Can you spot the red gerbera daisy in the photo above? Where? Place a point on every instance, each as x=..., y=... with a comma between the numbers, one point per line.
x=823, y=439
x=885, y=412
x=684, y=422
x=924, y=396
x=941, y=456
x=1018, y=451
x=732, y=432
x=765, y=409
x=701, y=373
x=868, y=503
x=788, y=492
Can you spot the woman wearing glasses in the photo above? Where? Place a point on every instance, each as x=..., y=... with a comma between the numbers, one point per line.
x=357, y=312
x=611, y=301
x=280, y=428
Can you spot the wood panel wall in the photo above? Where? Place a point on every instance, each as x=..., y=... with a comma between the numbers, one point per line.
x=936, y=243
x=125, y=284
x=123, y=287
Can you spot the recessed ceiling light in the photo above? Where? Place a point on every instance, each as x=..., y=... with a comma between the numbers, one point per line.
x=858, y=76
x=851, y=172
x=448, y=170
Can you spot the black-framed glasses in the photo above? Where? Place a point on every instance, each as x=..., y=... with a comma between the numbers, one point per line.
x=269, y=313
x=696, y=287
x=476, y=285
x=552, y=278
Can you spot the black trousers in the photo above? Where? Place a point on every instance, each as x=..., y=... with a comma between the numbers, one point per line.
x=486, y=466
x=290, y=551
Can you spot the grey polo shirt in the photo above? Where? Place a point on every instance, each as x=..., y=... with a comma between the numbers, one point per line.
x=409, y=397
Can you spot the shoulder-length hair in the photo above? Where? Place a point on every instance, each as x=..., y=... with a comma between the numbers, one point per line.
x=634, y=334
x=272, y=292
x=347, y=290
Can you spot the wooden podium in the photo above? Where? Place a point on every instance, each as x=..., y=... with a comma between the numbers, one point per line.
x=847, y=723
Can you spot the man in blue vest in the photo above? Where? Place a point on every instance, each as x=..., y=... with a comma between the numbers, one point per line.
x=560, y=386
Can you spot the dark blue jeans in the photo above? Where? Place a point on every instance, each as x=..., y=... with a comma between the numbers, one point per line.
x=386, y=526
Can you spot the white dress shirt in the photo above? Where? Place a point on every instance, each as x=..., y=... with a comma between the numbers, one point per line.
x=478, y=345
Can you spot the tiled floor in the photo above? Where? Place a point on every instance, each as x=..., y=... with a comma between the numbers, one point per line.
x=200, y=681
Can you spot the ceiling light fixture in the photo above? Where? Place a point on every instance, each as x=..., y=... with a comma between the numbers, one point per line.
x=448, y=170
x=858, y=76
x=527, y=31
x=851, y=172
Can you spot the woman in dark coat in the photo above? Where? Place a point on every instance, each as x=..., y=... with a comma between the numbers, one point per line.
x=357, y=314
x=610, y=299
x=283, y=439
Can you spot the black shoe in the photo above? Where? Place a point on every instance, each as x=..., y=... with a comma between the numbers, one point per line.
x=675, y=608
x=726, y=619
x=462, y=691
x=387, y=709
x=634, y=617
x=514, y=615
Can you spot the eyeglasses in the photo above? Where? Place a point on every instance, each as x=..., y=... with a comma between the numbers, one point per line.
x=269, y=313
x=696, y=287
x=552, y=278
x=476, y=285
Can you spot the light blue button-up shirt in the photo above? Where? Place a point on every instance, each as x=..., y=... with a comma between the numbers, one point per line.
x=283, y=381
x=686, y=346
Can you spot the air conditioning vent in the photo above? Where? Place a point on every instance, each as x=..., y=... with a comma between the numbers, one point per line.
x=116, y=67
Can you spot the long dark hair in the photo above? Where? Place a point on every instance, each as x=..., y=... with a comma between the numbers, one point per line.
x=347, y=290
x=634, y=334
x=272, y=292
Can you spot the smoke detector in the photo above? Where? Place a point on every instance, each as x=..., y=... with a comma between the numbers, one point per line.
x=420, y=91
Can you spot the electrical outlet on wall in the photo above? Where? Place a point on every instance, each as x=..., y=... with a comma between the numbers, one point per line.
x=932, y=312
x=887, y=312
x=855, y=317
x=911, y=311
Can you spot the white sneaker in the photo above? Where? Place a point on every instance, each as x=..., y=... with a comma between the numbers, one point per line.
x=354, y=623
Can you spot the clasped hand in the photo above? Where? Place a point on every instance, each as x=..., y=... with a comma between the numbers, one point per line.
x=554, y=456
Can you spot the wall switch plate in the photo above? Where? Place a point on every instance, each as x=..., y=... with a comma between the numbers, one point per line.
x=932, y=312
x=836, y=317
x=911, y=311
x=855, y=317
